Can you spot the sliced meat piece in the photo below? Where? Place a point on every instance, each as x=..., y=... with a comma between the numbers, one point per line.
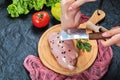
x=64, y=51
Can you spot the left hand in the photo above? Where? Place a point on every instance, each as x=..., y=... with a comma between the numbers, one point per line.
x=70, y=13
x=69, y=19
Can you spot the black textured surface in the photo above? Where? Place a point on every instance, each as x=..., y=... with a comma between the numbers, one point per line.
x=18, y=38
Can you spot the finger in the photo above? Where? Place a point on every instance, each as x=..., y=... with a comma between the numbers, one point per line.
x=78, y=3
x=111, y=32
x=116, y=27
x=65, y=4
x=118, y=44
x=114, y=40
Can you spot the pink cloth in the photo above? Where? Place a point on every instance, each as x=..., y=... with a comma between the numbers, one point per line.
x=39, y=72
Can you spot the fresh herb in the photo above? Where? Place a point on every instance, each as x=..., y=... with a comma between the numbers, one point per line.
x=19, y=7
x=83, y=45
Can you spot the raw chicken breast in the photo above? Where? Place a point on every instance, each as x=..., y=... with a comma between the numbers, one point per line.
x=64, y=51
x=69, y=19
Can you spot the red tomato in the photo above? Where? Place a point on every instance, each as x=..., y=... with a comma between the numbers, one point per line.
x=40, y=19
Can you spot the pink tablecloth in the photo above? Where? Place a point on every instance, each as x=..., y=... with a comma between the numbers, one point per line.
x=38, y=71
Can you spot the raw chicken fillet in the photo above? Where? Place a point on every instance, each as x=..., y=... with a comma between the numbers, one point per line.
x=64, y=51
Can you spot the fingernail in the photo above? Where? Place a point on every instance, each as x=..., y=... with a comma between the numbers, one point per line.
x=70, y=8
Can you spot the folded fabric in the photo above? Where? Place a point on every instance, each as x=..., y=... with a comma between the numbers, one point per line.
x=38, y=71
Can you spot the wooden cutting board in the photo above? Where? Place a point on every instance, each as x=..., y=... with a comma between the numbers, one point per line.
x=84, y=61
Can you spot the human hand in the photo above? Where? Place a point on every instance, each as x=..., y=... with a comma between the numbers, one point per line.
x=115, y=37
x=71, y=18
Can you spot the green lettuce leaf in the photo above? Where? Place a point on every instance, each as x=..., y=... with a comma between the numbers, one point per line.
x=19, y=7
x=51, y=2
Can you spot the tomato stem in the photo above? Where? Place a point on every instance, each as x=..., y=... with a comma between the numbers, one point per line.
x=40, y=15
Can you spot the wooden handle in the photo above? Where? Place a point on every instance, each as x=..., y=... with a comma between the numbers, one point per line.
x=95, y=18
x=95, y=28
x=97, y=35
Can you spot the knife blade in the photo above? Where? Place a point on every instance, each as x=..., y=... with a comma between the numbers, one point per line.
x=80, y=34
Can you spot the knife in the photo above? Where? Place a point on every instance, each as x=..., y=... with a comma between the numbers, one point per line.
x=80, y=34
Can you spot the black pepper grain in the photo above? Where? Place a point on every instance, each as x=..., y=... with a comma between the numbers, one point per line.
x=56, y=56
x=62, y=52
x=69, y=50
x=57, y=36
x=51, y=48
x=52, y=41
x=59, y=41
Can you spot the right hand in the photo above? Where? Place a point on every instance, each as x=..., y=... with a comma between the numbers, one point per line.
x=115, y=37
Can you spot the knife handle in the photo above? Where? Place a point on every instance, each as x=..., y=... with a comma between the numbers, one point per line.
x=97, y=35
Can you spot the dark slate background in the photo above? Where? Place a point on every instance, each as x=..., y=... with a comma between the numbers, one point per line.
x=19, y=38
